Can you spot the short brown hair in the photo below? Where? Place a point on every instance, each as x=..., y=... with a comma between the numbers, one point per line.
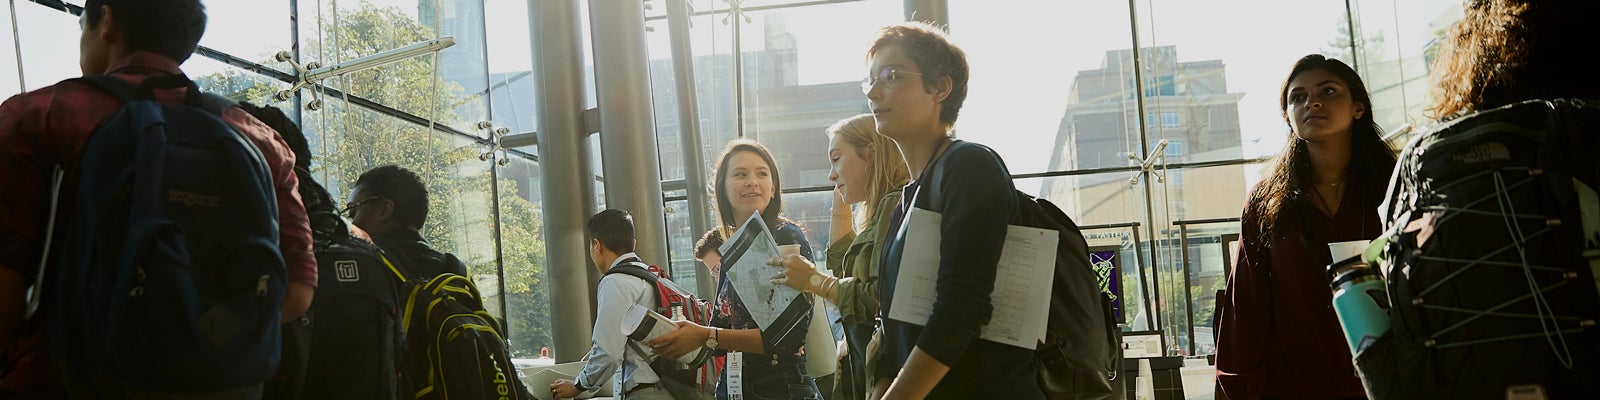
x=935, y=55
x=708, y=243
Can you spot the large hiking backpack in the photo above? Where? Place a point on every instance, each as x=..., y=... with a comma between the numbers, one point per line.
x=1490, y=250
x=1079, y=355
x=170, y=279
x=453, y=347
x=672, y=301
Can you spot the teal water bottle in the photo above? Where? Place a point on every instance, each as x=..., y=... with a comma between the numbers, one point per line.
x=1360, y=301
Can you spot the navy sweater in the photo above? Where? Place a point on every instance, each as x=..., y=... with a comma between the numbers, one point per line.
x=971, y=187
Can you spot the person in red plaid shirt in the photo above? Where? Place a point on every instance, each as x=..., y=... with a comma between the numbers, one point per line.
x=130, y=40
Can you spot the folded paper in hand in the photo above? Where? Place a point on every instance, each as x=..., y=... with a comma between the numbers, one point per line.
x=643, y=325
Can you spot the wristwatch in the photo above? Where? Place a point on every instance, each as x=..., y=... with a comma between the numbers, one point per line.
x=816, y=282
x=711, y=341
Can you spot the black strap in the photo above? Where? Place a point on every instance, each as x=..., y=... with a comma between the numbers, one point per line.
x=642, y=271
x=398, y=257
x=129, y=93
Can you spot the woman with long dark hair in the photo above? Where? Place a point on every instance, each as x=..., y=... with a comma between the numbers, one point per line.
x=773, y=362
x=1279, y=337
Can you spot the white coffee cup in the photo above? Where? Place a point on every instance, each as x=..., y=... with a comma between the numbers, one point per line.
x=785, y=250
x=1343, y=250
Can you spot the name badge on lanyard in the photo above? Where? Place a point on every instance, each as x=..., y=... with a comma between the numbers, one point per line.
x=735, y=375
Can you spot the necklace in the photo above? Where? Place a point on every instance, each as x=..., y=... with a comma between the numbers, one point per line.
x=932, y=158
x=1317, y=195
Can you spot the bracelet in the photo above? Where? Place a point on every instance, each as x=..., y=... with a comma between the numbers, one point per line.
x=830, y=286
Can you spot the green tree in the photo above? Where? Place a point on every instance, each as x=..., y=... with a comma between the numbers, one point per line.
x=349, y=140
x=1370, y=48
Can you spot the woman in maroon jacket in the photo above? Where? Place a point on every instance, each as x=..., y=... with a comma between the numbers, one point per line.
x=1279, y=337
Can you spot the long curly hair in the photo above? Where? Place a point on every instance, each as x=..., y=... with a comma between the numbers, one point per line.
x=1505, y=51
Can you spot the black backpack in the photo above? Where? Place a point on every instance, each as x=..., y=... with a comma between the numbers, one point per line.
x=347, y=344
x=350, y=339
x=1481, y=211
x=171, y=278
x=453, y=347
x=1079, y=355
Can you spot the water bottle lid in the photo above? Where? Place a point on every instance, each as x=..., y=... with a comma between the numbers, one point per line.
x=1335, y=277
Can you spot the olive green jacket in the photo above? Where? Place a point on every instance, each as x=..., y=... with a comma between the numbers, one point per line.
x=854, y=259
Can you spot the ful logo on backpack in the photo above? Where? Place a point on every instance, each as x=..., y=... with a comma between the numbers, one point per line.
x=171, y=278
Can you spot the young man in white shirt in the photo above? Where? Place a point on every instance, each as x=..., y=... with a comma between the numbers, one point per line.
x=613, y=356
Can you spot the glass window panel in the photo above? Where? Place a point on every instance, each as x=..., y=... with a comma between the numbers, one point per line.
x=712, y=67
x=49, y=45
x=1207, y=265
x=236, y=83
x=1203, y=193
x=316, y=29
x=802, y=72
x=523, y=251
x=250, y=30
x=510, y=66
x=664, y=92
x=812, y=212
x=680, y=246
x=1066, y=103
x=1397, y=42
x=1094, y=199
x=1247, y=77
x=455, y=98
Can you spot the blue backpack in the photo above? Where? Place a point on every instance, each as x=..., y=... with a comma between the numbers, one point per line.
x=170, y=279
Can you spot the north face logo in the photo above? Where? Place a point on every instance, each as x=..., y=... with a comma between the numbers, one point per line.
x=347, y=270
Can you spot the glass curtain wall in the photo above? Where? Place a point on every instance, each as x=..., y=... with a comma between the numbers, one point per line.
x=1153, y=116
x=1077, y=97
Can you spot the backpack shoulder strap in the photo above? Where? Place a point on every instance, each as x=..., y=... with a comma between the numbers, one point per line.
x=638, y=270
x=116, y=87
x=401, y=276
x=215, y=104
x=642, y=271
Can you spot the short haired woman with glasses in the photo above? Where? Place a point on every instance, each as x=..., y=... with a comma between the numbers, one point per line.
x=917, y=80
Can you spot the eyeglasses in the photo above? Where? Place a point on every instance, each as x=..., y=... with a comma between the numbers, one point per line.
x=350, y=208
x=887, y=76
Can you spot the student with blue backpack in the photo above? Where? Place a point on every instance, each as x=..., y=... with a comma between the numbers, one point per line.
x=152, y=277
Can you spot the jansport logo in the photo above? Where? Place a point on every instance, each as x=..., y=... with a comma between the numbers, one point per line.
x=192, y=199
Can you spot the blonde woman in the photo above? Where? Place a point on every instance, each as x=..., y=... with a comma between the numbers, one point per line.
x=867, y=170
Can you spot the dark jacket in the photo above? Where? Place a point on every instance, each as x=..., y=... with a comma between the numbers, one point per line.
x=407, y=247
